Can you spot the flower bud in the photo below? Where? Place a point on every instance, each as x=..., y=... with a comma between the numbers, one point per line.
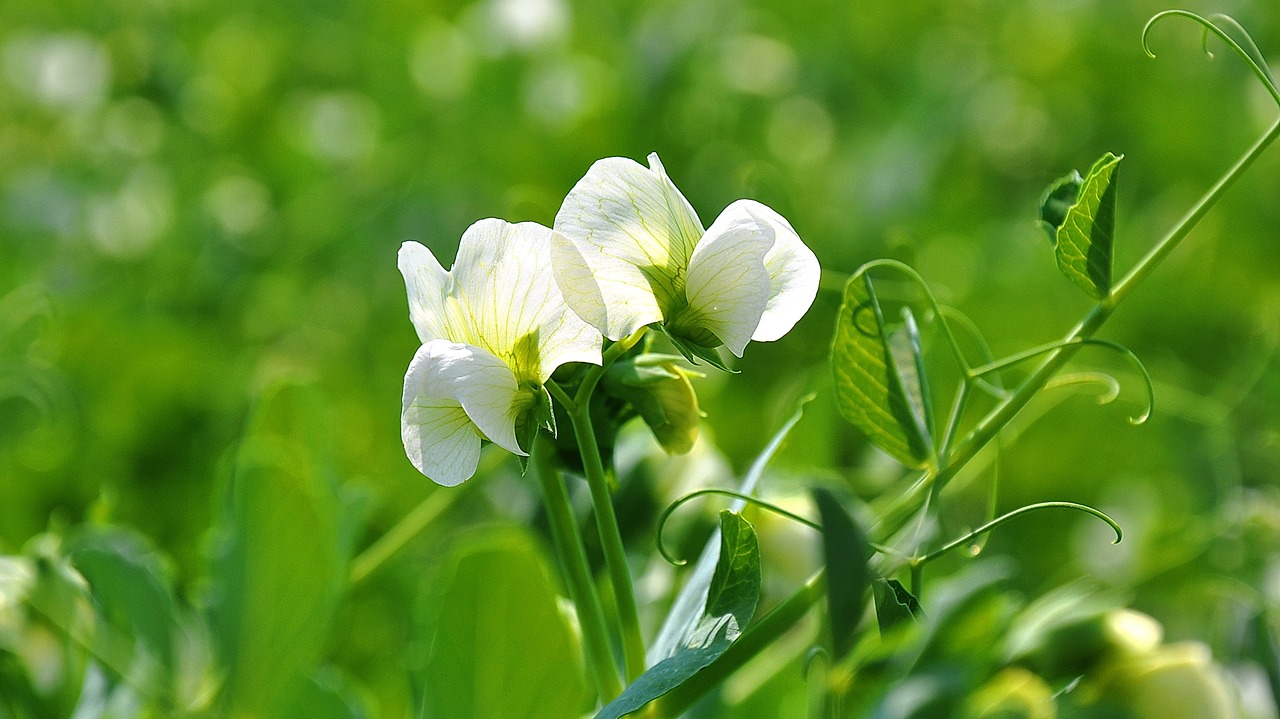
x=658, y=388
x=1014, y=693
x=1176, y=680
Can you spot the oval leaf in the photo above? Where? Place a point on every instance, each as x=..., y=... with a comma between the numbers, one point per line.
x=1083, y=238
x=280, y=562
x=497, y=643
x=873, y=366
x=731, y=602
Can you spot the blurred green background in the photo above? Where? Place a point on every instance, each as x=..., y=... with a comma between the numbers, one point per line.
x=199, y=199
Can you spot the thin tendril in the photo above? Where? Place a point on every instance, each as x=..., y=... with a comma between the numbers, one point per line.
x=1092, y=341
x=1264, y=76
x=910, y=273
x=666, y=514
x=999, y=521
x=815, y=654
x=1249, y=45
x=995, y=389
x=1110, y=384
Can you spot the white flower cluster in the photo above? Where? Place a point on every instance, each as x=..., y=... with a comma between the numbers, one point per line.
x=627, y=252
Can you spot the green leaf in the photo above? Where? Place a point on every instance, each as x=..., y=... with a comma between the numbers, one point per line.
x=908, y=364
x=687, y=608
x=280, y=562
x=1056, y=200
x=731, y=602
x=497, y=643
x=894, y=604
x=879, y=377
x=133, y=592
x=1083, y=234
x=845, y=550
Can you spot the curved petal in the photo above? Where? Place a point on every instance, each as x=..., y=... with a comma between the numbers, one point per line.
x=471, y=377
x=440, y=440
x=427, y=284
x=728, y=284
x=628, y=236
x=512, y=304
x=793, y=271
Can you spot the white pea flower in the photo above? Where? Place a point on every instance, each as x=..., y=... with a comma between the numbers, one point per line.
x=630, y=252
x=493, y=329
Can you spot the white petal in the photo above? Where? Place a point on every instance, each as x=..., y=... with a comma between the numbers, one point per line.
x=440, y=440
x=728, y=284
x=628, y=235
x=511, y=303
x=794, y=274
x=481, y=383
x=427, y=284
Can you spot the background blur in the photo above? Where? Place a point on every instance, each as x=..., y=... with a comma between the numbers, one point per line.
x=198, y=199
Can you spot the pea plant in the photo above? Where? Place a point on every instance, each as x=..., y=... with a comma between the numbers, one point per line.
x=549, y=342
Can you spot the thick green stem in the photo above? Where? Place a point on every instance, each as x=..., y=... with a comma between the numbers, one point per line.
x=610, y=539
x=573, y=561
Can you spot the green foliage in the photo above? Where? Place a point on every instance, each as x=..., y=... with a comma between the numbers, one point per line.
x=132, y=591
x=845, y=550
x=731, y=602
x=280, y=562
x=1080, y=216
x=894, y=604
x=198, y=198
x=878, y=380
x=495, y=641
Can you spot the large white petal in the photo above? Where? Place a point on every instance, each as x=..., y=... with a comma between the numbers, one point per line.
x=793, y=271
x=440, y=440
x=511, y=303
x=482, y=384
x=427, y=284
x=628, y=235
x=728, y=285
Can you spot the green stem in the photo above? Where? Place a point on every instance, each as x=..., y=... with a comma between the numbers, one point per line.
x=759, y=635
x=399, y=536
x=615, y=555
x=610, y=537
x=573, y=561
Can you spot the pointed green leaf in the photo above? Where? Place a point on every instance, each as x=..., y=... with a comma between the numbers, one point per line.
x=280, y=560
x=908, y=365
x=845, y=551
x=894, y=604
x=1083, y=237
x=496, y=640
x=731, y=602
x=872, y=374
